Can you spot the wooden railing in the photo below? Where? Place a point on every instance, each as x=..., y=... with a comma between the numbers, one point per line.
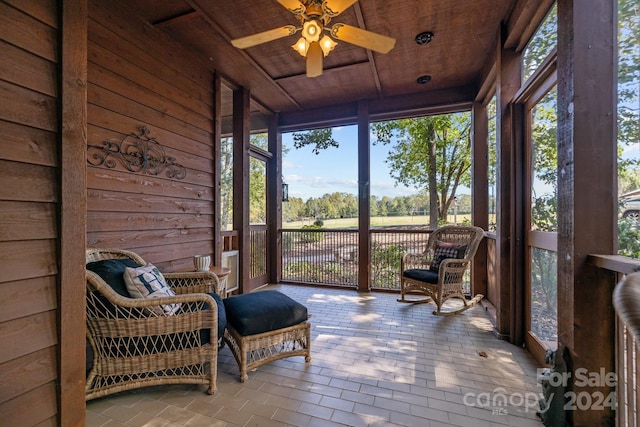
x=626, y=345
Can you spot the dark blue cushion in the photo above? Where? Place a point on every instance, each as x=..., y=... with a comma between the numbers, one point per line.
x=222, y=315
x=263, y=311
x=421, y=274
x=111, y=271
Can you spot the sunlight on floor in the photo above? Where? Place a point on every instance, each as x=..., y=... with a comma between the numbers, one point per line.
x=375, y=362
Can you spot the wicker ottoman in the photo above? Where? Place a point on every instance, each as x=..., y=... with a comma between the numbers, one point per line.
x=265, y=326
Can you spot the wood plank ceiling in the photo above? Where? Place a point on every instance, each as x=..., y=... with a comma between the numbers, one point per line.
x=464, y=38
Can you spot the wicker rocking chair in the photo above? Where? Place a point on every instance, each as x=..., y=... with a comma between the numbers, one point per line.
x=132, y=343
x=437, y=274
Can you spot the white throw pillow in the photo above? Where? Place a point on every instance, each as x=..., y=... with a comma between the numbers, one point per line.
x=148, y=282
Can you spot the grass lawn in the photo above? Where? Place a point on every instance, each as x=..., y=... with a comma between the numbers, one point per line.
x=376, y=221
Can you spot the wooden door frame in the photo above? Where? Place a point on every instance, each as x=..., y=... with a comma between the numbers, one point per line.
x=537, y=87
x=267, y=158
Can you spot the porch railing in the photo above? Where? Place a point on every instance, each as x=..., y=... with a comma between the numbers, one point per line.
x=331, y=256
x=320, y=256
x=626, y=349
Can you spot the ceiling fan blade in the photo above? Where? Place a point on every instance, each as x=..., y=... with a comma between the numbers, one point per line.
x=294, y=6
x=363, y=38
x=336, y=7
x=264, y=37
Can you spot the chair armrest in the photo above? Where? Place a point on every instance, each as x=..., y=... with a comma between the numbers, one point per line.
x=451, y=271
x=410, y=260
x=194, y=282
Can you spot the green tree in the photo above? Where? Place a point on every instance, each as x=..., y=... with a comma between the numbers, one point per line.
x=321, y=139
x=432, y=152
x=226, y=183
x=258, y=183
x=628, y=94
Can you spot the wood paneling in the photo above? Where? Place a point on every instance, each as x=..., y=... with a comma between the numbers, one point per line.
x=33, y=408
x=136, y=78
x=27, y=373
x=26, y=297
x=27, y=32
x=22, y=68
x=28, y=145
x=139, y=238
x=127, y=182
x=27, y=182
x=27, y=220
x=25, y=106
x=29, y=197
x=27, y=335
x=27, y=259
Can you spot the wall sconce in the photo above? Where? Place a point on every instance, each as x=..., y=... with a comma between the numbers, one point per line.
x=285, y=192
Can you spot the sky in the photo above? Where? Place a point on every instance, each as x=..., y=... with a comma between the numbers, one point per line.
x=336, y=169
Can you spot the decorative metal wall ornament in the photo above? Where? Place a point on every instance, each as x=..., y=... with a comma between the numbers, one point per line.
x=137, y=153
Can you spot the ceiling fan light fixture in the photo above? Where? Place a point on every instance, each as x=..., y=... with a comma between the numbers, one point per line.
x=311, y=30
x=327, y=45
x=301, y=46
x=314, y=16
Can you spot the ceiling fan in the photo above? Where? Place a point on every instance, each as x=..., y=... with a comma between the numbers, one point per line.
x=314, y=16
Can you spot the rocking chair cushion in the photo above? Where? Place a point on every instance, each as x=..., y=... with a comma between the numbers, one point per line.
x=422, y=275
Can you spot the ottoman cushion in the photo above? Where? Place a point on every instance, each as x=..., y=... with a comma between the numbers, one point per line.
x=263, y=311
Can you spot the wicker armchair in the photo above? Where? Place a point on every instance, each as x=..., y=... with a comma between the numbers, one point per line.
x=436, y=275
x=133, y=346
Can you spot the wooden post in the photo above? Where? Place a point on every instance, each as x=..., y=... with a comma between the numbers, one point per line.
x=508, y=76
x=274, y=201
x=479, y=193
x=73, y=209
x=241, y=130
x=587, y=179
x=217, y=172
x=364, y=197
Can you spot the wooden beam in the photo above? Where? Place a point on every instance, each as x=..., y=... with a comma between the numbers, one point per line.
x=587, y=172
x=274, y=202
x=364, y=198
x=73, y=208
x=508, y=75
x=241, y=130
x=396, y=107
x=216, y=167
x=525, y=19
x=372, y=62
x=479, y=193
x=175, y=19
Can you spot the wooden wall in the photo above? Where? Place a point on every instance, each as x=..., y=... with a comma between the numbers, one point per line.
x=29, y=194
x=139, y=77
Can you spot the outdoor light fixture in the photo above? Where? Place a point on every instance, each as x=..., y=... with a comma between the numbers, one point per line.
x=285, y=192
